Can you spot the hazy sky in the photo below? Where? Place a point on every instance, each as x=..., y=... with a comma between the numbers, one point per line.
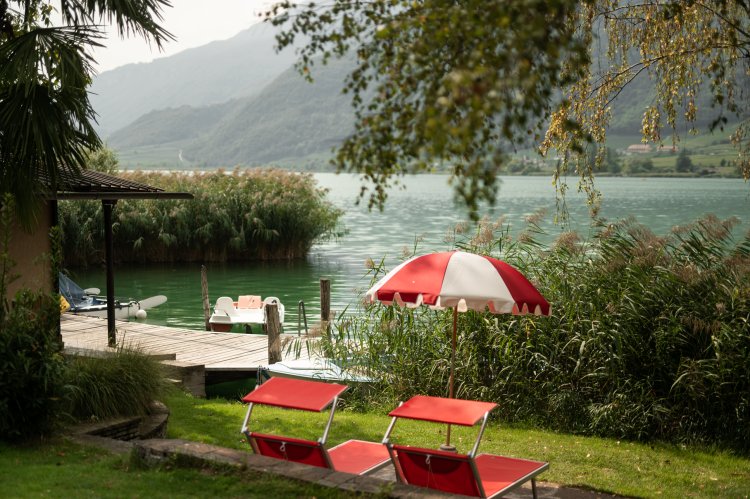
x=193, y=22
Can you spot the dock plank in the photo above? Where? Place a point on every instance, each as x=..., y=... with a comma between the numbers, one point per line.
x=216, y=351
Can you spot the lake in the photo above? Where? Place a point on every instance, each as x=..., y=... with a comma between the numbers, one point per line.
x=424, y=211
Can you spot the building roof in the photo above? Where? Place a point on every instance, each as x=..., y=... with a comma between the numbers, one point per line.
x=96, y=185
x=639, y=148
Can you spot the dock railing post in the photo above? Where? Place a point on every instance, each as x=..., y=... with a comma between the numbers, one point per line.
x=273, y=329
x=325, y=304
x=206, y=303
x=107, y=207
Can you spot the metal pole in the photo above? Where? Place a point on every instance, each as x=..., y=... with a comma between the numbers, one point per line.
x=107, y=206
x=447, y=445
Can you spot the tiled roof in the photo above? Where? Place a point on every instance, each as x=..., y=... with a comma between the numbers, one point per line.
x=96, y=185
x=91, y=181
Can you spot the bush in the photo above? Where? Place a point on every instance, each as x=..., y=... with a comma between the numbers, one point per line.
x=31, y=364
x=247, y=215
x=649, y=337
x=639, y=165
x=122, y=384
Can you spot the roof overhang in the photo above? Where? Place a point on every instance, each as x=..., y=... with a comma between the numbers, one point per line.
x=114, y=196
x=92, y=185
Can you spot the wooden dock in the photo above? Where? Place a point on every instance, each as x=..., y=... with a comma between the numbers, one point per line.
x=223, y=356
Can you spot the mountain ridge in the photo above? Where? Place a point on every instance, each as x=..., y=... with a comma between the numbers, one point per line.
x=210, y=74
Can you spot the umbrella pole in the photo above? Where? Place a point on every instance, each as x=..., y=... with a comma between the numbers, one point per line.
x=447, y=445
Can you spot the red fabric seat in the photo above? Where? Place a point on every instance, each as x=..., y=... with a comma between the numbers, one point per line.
x=354, y=456
x=289, y=449
x=358, y=456
x=485, y=476
x=501, y=474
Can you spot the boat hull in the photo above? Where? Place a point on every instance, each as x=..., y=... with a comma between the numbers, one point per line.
x=314, y=369
x=122, y=310
x=227, y=314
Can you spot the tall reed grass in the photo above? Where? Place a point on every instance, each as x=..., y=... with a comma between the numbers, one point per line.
x=122, y=384
x=649, y=337
x=259, y=214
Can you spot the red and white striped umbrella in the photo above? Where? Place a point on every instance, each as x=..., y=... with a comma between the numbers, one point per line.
x=461, y=281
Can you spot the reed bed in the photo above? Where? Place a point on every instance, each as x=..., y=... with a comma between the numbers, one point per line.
x=254, y=214
x=649, y=337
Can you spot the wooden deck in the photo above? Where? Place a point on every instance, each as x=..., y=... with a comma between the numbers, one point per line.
x=218, y=352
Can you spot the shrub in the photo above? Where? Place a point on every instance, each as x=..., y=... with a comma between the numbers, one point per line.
x=649, y=337
x=122, y=384
x=30, y=360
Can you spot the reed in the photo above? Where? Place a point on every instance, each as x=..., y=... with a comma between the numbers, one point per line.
x=259, y=214
x=649, y=337
x=122, y=384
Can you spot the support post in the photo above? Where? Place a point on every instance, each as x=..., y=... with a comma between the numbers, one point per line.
x=273, y=329
x=206, y=303
x=107, y=207
x=325, y=303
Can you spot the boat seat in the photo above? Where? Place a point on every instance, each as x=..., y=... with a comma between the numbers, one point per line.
x=249, y=301
x=226, y=304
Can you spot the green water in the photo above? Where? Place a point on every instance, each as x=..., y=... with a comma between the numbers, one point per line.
x=423, y=211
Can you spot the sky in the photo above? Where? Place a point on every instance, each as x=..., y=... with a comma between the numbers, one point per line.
x=193, y=22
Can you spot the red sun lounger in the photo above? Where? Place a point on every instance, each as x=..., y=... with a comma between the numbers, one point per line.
x=353, y=456
x=483, y=475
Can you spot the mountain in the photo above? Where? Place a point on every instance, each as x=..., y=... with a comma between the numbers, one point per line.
x=289, y=119
x=227, y=116
x=210, y=74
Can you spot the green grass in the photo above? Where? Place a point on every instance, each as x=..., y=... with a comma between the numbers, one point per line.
x=64, y=469
x=620, y=467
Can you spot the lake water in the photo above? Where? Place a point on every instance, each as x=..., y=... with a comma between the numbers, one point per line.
x=424, y=211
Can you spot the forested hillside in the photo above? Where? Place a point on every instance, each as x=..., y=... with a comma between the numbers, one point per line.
x=210, y=74
x=290, y=118
x=236, y=102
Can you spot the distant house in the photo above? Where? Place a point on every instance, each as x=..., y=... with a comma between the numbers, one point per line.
x=638, y=149
x=668, y=149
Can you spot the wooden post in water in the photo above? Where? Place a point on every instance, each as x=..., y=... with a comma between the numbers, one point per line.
x=325, y=304
x=273, y=329
x=206, y=303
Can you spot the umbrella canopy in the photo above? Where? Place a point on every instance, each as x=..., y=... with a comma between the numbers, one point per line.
x=461, y=281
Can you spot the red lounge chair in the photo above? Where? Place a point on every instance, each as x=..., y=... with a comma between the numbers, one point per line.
x=484, y=475
x=353, y=456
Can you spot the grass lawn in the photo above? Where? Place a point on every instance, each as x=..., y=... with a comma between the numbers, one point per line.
x=626, y=468
x=63, y=469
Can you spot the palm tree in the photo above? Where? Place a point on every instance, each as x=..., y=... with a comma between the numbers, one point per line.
x=45, y=68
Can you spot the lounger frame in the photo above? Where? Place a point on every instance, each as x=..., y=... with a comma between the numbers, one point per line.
x=477, y=475
x=353, y=456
